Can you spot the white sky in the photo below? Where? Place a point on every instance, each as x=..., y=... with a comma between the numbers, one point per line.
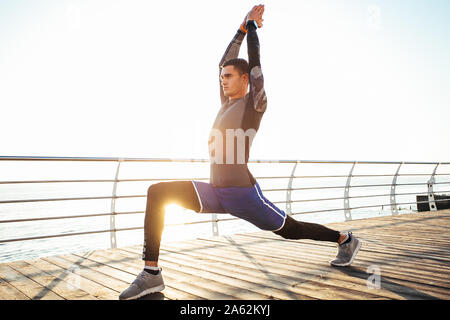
x=345, y=80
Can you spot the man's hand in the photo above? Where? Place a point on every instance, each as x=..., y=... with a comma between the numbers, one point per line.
x=254, y=14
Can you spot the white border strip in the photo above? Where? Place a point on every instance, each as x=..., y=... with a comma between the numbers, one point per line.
x=284, y=218
x=198, y=196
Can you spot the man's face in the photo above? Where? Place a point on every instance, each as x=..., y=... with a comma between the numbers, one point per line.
x=233, y=83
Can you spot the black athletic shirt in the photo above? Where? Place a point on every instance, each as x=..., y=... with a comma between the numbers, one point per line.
x=238, y=120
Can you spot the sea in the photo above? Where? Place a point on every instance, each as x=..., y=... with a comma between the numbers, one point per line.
x=22, y=198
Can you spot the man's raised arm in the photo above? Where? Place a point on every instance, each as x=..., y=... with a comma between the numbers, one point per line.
x=257, y=93
x=231, y=52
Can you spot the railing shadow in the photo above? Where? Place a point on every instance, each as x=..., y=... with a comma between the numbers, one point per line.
x=258, y=265
x=403, y=291
x=59, y=278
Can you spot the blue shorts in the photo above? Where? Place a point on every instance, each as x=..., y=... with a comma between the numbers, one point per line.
x=247, y=203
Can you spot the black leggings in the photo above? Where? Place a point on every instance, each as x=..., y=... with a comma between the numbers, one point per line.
x=184, y=194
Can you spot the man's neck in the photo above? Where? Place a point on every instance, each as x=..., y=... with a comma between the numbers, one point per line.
x=236, y=97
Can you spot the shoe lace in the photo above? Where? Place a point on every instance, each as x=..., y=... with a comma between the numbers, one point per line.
x=140, y=277
x=343, y=250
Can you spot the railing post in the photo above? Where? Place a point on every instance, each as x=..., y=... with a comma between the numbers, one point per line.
x=112, y=220
x=288, y=191
x=431, y=198
x=394, y=208
x=215, y=225
x=347, y=212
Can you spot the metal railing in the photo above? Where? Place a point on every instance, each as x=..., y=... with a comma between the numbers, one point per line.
x=346, y=208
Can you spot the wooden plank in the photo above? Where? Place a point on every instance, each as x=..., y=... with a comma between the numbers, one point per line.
x=324, y=269
x=8, y=292
x=404, y=232
x=271, y=274
x=390, y=273
x=396, y=228
x=107, y=277
x=413, y=252
x=311, y=250
x=233, y=287
x=227, y=290
x=377, y=248
x=314, y=281
x=366, y=255
x=392, y=221
x=410, y=274
x=408, y=238
x=403, y=236
x=111, y=259
x=399, y=219
x=64, y=289
x=398, y=242
x=270, y=280
x=296, y=261
x=296, y=251
x=135, y=266
x=200, y=288
x=394, y=225
x=93, y=288
x=247, y=285
x=28, y=287
x=103, y=275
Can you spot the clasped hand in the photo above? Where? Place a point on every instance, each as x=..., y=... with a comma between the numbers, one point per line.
x=255, y=14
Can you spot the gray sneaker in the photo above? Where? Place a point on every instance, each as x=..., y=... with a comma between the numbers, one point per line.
x=144, y=284
x=347, y=252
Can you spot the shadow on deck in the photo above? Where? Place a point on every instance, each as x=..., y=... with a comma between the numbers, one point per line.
x=402, y=257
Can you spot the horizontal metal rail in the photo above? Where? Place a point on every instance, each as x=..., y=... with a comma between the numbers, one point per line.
x=69, y=234
x=264, y=190
x=215, y=220
x=356, y=186
x=364, y=207
x=194, y=222
x=356, y=197
x=191, y=178
x=141, y=212
x=116, y=159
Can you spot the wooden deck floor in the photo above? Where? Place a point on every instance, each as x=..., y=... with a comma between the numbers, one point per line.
x=411, y=253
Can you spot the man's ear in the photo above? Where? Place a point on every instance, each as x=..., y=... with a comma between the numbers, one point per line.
x=245, y=75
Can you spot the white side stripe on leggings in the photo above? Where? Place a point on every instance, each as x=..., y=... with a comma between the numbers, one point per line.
x=268, y=204
x=198, y=196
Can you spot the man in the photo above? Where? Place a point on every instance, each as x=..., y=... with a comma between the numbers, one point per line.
x=232, y=188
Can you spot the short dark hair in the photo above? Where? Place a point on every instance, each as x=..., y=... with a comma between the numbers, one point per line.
x=241, y=65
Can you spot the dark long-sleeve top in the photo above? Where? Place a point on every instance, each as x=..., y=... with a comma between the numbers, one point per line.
x=238, y=120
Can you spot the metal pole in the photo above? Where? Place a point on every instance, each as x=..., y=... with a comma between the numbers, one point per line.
x=112, y=219
x=394, y=208
x=214, y=224
x=431, y=198
x=288, y=191
x=347, y=212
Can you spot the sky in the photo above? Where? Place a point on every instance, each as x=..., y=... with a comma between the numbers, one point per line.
x=364, y=80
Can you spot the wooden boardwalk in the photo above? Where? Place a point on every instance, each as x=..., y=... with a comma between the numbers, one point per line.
x=411, y=254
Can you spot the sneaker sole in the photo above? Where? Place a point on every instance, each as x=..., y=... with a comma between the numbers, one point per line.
x=353, y=256
x=146, y=292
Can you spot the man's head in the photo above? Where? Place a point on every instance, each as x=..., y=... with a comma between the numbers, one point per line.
x=234, y=78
